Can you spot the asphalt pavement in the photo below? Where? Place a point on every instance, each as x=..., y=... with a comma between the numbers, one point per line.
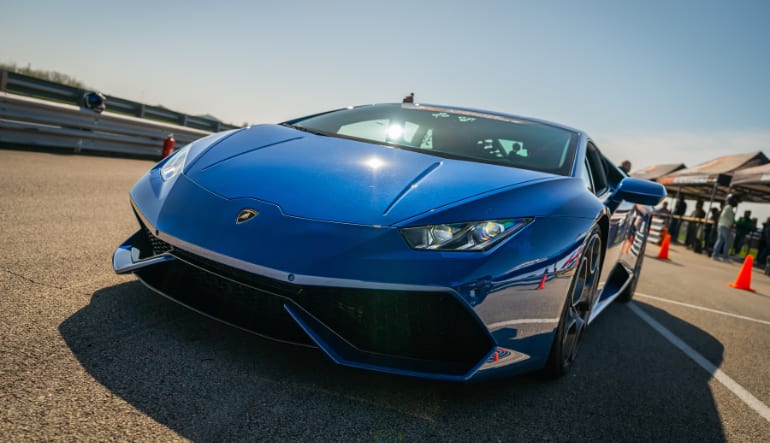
x=89, y=355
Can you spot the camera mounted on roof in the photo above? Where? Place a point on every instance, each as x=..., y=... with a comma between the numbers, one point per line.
x=95, y=101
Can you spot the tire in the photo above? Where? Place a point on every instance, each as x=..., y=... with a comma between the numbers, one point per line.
x=577, y=307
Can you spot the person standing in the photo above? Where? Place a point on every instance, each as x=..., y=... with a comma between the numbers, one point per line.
x=692, y=226
x=662, y=211
x=742, y=227
x=726, y=222
x=764, y=244
x=710, y=230
x=625, y=167
x=679, y=209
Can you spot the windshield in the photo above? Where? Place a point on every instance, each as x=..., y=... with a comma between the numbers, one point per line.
x=453, y=133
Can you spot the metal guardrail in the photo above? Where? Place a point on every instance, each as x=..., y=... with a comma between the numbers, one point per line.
x=34, y=122
x=34, y=87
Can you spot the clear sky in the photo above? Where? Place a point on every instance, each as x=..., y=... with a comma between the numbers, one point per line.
x=651, y=81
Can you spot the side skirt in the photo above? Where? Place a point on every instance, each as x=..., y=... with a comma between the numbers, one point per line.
x=619, y=279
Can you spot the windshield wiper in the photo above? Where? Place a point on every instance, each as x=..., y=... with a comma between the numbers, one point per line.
x=304, y=129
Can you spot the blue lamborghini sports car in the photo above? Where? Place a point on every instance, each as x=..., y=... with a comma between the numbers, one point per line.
x=422, y=240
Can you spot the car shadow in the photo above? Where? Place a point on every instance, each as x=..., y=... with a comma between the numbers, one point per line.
x=209, y=382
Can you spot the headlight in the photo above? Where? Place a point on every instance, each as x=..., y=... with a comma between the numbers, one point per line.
x=473, y=236
x=174, y=164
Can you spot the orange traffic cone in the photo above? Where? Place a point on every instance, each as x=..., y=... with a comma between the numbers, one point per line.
x=663, y=234
x=663, y=254
x=627, y=247
x=743, y=281
x=542, y=281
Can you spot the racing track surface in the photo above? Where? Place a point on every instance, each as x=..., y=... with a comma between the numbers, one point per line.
x=89, y=355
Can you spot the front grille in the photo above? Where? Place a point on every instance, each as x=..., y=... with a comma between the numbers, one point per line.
x=426, y=326
x=418, y=325
x=268, y=284
x=245, y=307
x=158, y=245
x=148, y=244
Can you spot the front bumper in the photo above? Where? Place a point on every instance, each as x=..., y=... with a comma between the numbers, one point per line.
x=427, y=333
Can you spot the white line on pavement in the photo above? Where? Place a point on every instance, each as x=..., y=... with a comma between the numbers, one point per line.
x=742, y=317
x=723, y=378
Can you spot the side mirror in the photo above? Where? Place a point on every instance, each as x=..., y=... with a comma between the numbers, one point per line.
x=639, y=191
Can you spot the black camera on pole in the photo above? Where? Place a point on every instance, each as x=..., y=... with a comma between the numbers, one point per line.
x=94, y=101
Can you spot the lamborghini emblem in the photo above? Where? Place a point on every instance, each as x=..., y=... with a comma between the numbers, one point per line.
x=246, y=215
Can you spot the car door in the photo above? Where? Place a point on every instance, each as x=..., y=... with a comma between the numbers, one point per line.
x=603, y=179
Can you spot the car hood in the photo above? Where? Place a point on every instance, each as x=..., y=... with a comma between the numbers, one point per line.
x=341, y=180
